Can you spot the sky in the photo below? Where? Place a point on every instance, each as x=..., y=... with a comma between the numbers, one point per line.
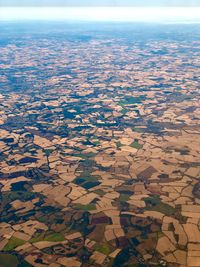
x=164, y=11
x=144, y=3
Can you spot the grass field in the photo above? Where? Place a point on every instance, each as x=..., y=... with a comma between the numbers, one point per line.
x=13, y=243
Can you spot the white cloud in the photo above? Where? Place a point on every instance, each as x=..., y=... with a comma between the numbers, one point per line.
x=127, y=14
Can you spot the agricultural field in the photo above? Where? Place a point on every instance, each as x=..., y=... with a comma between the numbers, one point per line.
x=99, y=146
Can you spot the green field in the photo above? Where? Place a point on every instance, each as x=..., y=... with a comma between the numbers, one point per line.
x=55, y=237
x=103, y=248
x=136, y=145
x=13, y=243
x=88, y=207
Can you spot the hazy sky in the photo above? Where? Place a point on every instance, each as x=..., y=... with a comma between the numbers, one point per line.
x=186, y=11
x=100, y=3
x=114, y=14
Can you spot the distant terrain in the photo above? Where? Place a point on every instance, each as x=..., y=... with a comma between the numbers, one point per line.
x=99, y=145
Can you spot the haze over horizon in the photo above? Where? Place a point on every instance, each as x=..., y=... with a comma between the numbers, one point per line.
x=105, y=14
x=164, y=11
